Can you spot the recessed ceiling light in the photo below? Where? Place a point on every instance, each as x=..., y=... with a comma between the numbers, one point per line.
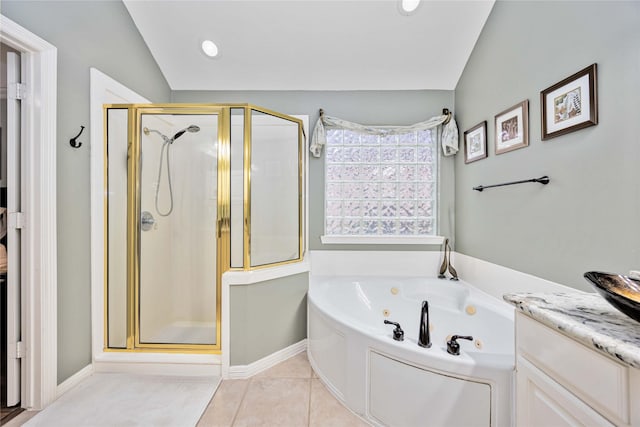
x=408, y=6
x=209, y=48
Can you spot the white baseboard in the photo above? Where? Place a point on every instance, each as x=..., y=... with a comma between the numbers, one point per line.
x=246, y=371
x=74, y=380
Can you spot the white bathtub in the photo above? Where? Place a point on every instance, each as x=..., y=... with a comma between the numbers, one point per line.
x=399, y=383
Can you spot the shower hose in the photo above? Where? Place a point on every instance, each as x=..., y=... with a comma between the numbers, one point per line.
x=165, y=145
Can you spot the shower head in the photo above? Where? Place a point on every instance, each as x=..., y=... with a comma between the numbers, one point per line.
x=192, y=129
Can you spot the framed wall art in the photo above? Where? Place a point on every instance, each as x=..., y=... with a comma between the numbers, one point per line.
x=571, y=104
x=475, y=143
x=512, y=128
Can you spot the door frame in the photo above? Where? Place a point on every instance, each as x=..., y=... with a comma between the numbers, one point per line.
x=39, y=266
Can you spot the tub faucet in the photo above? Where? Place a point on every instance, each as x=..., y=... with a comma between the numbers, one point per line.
x=424, y=337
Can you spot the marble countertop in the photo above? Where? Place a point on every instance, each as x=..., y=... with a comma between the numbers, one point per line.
x=587, y=318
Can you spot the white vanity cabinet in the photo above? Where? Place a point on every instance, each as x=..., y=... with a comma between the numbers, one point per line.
x=561, y=382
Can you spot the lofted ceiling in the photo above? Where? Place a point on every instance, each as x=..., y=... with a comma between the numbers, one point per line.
x=310, y=44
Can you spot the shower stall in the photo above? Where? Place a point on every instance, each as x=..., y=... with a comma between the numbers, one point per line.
x=193, y=191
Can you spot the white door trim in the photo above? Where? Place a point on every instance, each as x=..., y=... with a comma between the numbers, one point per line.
x=40, y=270
x=104, y=90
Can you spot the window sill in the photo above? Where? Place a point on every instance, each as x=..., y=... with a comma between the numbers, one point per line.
x=382, y=240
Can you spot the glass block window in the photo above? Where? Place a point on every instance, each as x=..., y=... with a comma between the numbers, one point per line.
x=380, y=185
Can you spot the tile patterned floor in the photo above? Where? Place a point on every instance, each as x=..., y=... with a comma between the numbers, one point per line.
x=289, y=395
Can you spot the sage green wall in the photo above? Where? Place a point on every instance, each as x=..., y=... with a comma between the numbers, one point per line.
x=368, y=107
x=87, y=34
x=267, y=317
x=588, y=217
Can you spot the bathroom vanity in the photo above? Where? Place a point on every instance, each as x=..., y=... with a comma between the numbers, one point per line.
x=577, y=361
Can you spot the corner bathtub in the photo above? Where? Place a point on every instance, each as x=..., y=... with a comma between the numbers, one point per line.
x=394, y=383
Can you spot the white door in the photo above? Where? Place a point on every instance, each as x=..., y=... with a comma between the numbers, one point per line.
x=14, y=346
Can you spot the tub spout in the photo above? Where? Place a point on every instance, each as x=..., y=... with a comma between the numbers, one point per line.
x=424, y=338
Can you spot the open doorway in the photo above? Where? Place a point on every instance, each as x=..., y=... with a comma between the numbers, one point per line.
x=35, y=218
x=9, y=234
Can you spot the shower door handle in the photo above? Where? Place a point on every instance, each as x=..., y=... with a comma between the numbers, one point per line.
x=147, y=221
x=223, y=226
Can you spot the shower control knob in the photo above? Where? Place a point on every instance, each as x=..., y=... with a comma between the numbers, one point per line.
x=147, y=221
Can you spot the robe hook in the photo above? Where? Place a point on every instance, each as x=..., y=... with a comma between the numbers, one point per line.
x=73, y=141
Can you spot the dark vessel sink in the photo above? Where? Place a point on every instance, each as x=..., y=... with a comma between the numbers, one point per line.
x=620, y=291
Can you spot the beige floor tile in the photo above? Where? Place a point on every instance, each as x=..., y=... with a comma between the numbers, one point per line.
x=224, y=405
x=275, y=402
x=327, y=411
x=294, y=367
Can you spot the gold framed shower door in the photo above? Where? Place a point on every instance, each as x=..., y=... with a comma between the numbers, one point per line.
x=223, y=220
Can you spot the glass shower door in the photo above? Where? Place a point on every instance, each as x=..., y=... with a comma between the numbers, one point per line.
x=178, y=215
x=193, y=191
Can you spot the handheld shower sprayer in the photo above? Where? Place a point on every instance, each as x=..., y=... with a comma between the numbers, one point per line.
x=166, y=144
x=192, y=129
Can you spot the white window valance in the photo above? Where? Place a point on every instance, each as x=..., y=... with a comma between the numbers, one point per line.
x=449, y=136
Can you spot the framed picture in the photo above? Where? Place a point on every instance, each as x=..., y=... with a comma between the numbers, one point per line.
x=475, y=143
x=512, y=128
x=571, y=104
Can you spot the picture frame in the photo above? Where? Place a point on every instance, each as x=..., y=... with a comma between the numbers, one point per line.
x=570, y=104
x=512, y=128
x=475, y=143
